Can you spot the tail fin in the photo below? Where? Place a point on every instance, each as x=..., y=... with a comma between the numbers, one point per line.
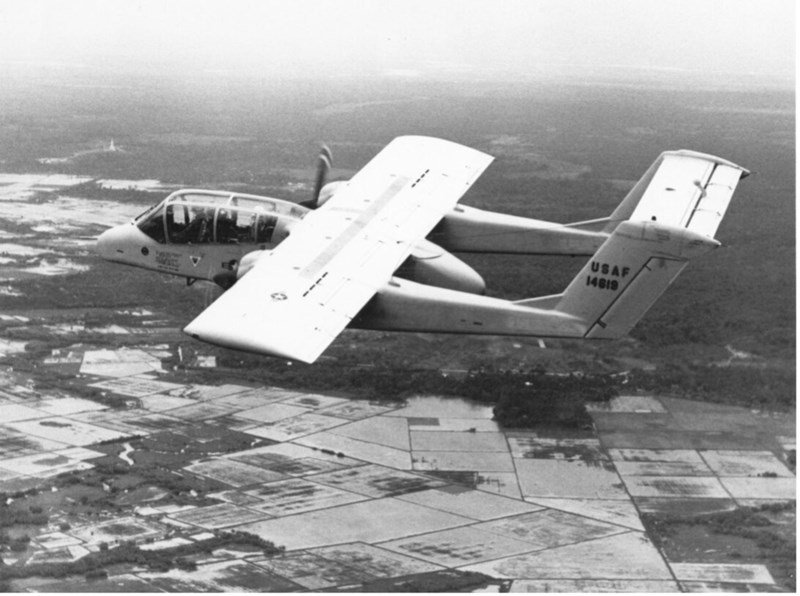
x=626, y=275
x=669, y=217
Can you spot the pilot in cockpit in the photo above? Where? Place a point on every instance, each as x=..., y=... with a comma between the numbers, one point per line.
x=200, y=229
x=226, y=226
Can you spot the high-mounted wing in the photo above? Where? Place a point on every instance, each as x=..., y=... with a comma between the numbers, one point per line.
x=300, y=296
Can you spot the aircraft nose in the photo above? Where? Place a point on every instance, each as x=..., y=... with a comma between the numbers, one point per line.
x=109, y=244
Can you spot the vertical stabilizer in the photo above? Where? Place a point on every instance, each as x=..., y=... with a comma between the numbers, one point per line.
x=620, y=283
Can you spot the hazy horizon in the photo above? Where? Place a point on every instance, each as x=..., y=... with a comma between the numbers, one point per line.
x=680, y=41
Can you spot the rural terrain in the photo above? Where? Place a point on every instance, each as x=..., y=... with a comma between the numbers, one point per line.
x=135, y=459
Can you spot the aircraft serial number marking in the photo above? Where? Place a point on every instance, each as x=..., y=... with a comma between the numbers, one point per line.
x=602, y=282
x=609, y=271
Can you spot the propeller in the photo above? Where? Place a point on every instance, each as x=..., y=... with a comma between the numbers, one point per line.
x=324, y=162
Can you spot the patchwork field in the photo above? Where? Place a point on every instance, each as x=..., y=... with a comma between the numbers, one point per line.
x=524, y=510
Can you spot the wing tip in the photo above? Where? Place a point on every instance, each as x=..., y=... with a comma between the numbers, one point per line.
x=436, y=144
x=245, y=343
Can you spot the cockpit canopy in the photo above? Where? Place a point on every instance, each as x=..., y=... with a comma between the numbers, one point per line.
x=205, y=216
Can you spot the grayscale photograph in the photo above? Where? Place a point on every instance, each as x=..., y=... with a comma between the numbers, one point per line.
x=397, y=296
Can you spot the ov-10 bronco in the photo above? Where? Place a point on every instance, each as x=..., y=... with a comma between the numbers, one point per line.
x=375, y=252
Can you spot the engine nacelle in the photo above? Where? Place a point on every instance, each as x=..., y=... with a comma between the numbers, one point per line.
x=428, y=264
x=228, y=278
x=330, y=189
x=248, y=262
x=431, y=265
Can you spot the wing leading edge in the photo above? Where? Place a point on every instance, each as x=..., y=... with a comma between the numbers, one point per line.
x=300, y=296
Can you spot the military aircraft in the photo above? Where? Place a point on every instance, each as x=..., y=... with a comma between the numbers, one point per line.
x=375, y=252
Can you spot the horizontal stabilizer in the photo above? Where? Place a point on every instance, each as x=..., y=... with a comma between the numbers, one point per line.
x=684, y=189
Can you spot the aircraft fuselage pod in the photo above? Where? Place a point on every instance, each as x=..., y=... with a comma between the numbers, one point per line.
x=217, y=236
x=201, y=234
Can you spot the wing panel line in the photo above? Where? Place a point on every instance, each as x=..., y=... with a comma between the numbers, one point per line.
x=355, y=227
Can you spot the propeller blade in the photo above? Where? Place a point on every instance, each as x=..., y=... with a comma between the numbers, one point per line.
x=326, y=151
x=324, y=162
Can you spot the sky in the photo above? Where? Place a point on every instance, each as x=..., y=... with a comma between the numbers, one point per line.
x=406, y=38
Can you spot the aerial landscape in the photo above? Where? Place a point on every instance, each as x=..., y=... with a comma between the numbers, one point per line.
x=135, y=458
